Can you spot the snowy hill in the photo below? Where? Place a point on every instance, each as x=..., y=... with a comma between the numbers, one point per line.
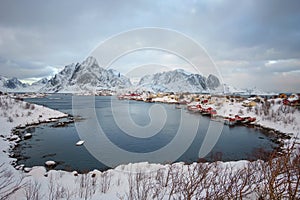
x=228, y=89
x=15, y=85
x=89, y=76
x=11, y=84
x=86, y=76
x=36, y=86
x=179, y=81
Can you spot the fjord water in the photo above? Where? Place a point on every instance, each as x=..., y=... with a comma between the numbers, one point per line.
x=58, y=143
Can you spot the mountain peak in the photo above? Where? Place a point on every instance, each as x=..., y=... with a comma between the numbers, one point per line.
x=183, y=71
x=90, y=61
x=212, y=82
x=85, y=76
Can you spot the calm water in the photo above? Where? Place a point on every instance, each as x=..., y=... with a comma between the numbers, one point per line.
x=58, y=144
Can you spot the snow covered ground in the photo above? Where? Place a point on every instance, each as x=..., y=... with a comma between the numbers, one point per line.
x=13, y=113
x=273, y=115
x=142, y=180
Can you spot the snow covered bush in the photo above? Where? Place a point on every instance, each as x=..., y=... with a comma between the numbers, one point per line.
x=10, y=119
x=27, y=105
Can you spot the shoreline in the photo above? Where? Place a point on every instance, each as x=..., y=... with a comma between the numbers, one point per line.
x=117, y=177
x=272, y=133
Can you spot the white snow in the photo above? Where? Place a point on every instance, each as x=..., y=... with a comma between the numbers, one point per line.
x=293, y=97
x=80, y=142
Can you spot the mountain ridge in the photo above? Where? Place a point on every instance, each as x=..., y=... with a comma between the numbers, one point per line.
x=179, y=80
x=89, y=76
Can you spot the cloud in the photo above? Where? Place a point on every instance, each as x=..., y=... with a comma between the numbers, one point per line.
x=241, y=36
x=25, y=70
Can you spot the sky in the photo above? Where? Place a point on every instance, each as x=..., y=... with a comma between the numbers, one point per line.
x=252, y=43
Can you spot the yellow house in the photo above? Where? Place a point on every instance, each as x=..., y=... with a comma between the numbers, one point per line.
x=248, y=103
x=283, y=96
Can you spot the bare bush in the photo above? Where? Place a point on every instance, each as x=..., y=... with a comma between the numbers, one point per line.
x=10, y=119
x=105, y=182
x=57, y=191
x=280, y=177
x=32, y=191
x=9, y=184
x=86, y=187
x=32, y=107
x=173, y=178
x=27, y=106
x=159, y=187
x=140, y=185
x=193, y=180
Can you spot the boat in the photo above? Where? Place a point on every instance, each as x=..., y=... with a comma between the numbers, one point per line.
x=248, y=120
x=208, y=111
x=194, y=108
x=239, y=119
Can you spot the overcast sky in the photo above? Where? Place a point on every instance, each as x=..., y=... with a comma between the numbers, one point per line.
x=253, y=43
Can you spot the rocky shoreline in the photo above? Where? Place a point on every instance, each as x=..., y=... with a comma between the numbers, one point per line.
x=19, y=132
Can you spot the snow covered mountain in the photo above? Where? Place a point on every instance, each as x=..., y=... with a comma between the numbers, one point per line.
x=40, y=82
x=15, y=85
x=179, y=81
x=36, y=86
x=11, y=84
x=87, y=76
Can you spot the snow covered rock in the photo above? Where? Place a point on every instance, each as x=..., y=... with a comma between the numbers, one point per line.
x=50, y=163
x=14, y=138
x=75, y=173
x=79, y=143
x=27, y=136
x=20, y=167
x=27, y=169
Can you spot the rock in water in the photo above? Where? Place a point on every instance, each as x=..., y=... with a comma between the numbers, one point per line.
x=27, y=136
x=50, y=163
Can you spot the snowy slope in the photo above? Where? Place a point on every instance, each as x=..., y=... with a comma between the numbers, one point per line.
x=11, y=84
x=179, y=81
x=15, y=85
x=36, y=86
x=86, y=76
x=228, y=89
